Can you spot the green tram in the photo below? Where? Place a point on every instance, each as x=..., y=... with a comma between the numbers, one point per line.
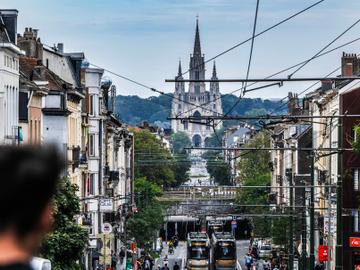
x=198, y=251
x=223, y=251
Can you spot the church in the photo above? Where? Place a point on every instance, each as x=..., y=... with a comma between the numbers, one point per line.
x=197, y=101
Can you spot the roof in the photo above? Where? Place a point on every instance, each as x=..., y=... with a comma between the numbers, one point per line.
x=33, y=71
x=239, y=133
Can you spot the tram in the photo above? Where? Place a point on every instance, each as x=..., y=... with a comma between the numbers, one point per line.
x=198, y=251
x=223, y=251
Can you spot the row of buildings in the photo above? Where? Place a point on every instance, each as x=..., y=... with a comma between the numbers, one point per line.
x=51, y=96
x=315, y=153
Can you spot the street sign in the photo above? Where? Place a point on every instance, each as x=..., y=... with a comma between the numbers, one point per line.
x=106, y=228
x=106, y=205
x=354, y=242
x=323, y=253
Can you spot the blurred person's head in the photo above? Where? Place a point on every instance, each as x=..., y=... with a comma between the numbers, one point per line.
x=29, y=178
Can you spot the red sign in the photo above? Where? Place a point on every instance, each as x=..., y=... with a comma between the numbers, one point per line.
x=354, y=242
x=323, y=253
x=133, y=246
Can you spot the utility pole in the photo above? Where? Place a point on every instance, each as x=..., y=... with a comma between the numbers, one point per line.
x=291, y=220
x=312, y=214
x=304, y=231
x=339, y=238
x=328, y=266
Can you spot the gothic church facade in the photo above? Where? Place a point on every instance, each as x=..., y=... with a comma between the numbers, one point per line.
x=197, y=101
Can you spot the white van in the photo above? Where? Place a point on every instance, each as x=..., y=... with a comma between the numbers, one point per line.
x=40, y=264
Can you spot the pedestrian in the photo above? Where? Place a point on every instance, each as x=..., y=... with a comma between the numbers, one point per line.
x=147, y=263
x=266, y=265
x=319, y=266
x=113, y=259
x=276, y=267
x=176, y=266
x=165, y=267
x=248, y=261
x=29, y=180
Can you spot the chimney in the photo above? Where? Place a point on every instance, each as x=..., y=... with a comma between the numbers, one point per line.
x=349, y=64
x=31, y=44
x=9, y=17
x=60, y=47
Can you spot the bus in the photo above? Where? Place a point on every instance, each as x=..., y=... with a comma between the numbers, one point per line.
x=198, y=251
x=223, y=251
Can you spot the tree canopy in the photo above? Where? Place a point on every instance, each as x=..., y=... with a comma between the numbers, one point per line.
x=148, y=220
x=64, y=246
x=255, y=171
x=218, y=168
x=134, y=110
x=152, y=159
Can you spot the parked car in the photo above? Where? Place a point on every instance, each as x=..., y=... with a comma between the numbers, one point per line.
x=40, y=264
x=265, y=251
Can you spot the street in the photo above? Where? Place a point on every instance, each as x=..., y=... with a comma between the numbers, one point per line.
x=180, y=255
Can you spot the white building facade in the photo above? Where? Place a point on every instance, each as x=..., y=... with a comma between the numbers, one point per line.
x=197, y=101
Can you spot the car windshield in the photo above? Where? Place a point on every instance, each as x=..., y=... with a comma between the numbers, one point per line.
x=265, y=248
x=225, y=250
x=199, y=253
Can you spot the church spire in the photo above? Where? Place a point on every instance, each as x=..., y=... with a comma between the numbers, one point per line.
x=197, y=47
x=179, y=71
x=214, y=75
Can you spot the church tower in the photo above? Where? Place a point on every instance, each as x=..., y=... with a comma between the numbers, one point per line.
x=197, y=101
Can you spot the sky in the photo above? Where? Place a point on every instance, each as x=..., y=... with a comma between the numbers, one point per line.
x=145, y=39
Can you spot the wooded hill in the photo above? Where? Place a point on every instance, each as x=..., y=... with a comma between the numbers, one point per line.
x=134, y=110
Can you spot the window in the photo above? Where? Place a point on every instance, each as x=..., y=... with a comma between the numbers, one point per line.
x=186, y=125
x=53, y=101
x=91, y=188
x=92, y=105
x=355, y=175
x=92, y=145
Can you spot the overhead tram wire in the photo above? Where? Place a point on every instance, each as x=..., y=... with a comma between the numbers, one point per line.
x=325, y=47
x=148, y=87
x=259, y=34
x=249, y=63
x=277, y=73
x=306, y=89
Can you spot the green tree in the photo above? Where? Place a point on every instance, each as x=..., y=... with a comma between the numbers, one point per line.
x=146, y=192
x=217, y=167
x=152, y=160
x=64, y=246
x=181, y=160
x=255, y=171
x=356, y=141
x=149, y=219
x=179, y=141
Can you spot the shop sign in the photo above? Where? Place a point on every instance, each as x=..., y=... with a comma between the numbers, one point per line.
x=354, y=242
x=323, y=253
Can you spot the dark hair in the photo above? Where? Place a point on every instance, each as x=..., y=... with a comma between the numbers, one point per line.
x=29, y=178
